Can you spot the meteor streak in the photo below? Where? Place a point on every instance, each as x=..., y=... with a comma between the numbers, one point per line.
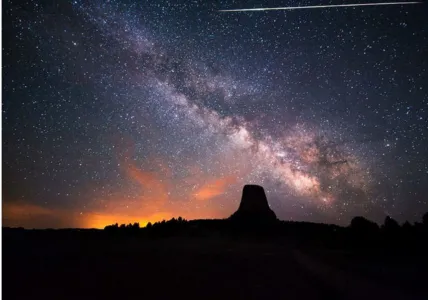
x=318, y=6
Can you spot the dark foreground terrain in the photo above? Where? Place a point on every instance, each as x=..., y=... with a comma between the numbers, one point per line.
x=164, y=269
x=96, y=264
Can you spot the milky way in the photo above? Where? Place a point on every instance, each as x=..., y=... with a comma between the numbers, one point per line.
x=129, y=112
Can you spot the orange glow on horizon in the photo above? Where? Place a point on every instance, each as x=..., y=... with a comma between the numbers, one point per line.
x=33, y=216
x=96, y=220
x=158, y=201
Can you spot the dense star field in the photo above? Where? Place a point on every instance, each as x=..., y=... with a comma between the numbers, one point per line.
x=137, y=111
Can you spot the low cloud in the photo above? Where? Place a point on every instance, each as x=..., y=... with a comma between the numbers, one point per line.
x=214, y=188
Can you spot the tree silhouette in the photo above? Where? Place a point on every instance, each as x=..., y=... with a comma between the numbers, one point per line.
x=407, y=227
x=111, y=228
x=425, y=219
x=361, y=224
x=390, y=225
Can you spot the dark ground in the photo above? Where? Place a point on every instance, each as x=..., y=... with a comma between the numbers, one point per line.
x=183, y=268
x=96, y=265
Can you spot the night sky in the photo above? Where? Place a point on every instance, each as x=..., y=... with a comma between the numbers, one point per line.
x=139, y=111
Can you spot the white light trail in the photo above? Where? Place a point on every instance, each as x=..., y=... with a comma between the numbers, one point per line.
x=318, y=6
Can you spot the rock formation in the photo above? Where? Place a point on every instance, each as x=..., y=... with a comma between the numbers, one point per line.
x=254, y=207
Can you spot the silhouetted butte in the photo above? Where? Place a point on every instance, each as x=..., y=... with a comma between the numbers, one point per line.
x=254, y=207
